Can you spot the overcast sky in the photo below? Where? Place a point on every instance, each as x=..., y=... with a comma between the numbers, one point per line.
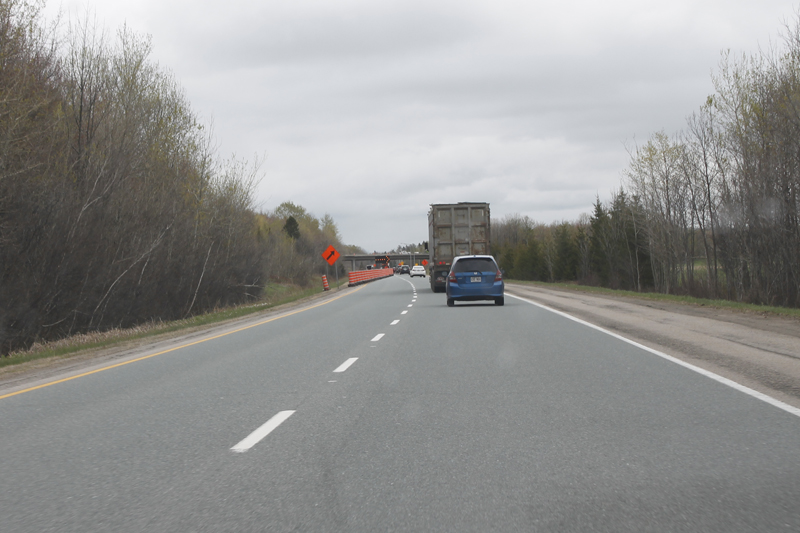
x=370, y=110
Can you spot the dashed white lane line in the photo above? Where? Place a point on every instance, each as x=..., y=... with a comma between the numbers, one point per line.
x=404, y=312
x=255, y=437
x=410, y=305
x=377, y=337
x=395, y=322
x=344, y=366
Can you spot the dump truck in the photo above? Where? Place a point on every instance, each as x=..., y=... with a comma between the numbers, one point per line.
x=455, y=229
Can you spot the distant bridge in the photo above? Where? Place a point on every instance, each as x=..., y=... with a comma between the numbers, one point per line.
x=360, y=261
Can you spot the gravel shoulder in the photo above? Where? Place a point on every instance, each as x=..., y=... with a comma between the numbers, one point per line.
x=759, y=351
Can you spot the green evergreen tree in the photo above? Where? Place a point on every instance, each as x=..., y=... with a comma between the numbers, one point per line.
x=600, y=233
x=566, y=263
x=292, y=228
x=528, y=264
x=506, y=259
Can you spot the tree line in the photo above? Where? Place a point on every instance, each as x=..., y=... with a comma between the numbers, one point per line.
x=711, y=211
x=114, y=207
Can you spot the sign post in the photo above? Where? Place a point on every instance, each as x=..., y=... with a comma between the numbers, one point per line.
x=330, y=255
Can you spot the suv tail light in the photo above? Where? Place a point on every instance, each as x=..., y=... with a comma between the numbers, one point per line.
x=498, y=276
x=452, y=277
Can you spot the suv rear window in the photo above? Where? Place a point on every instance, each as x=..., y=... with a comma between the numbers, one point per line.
x=477, y=264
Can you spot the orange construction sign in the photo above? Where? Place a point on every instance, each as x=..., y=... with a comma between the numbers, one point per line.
x=330, y=255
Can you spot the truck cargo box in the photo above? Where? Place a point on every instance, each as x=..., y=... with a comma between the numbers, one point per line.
x=456, y=229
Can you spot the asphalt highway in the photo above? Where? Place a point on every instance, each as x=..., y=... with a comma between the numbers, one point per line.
x=382, y=409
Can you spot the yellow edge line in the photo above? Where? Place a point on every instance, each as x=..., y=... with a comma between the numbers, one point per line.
x=177, y=347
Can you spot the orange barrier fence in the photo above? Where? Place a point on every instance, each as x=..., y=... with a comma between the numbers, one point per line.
x=357, y=277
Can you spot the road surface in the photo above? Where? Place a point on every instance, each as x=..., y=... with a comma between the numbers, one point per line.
x=381, y=409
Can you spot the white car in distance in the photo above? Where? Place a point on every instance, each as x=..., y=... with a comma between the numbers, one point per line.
x=417, y=270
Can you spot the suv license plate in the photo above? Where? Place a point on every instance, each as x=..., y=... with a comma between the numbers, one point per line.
x=475, y=279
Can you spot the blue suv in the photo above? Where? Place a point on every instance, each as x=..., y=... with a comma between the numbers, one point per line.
x=474, y=277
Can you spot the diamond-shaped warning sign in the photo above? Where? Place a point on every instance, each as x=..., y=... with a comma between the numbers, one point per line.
x=330, y=255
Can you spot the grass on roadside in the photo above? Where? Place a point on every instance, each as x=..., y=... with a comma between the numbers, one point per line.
x=689, y=300
x=274, y=295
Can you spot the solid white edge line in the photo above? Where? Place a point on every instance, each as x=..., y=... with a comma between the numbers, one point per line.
x=716, y=377
x=344, y=366
x=255, y=437
x=377, y=337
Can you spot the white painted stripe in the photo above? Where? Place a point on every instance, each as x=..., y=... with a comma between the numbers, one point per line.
x=255, y=437
x=395, y=322
x=344, y=366
x=716, y=377
x=404, y=312
x=378, y=337
x=409, y=305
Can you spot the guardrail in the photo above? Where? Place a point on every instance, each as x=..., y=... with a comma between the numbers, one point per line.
x=357, y=277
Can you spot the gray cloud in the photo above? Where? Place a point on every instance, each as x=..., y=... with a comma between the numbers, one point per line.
x=294, y=34
x=370, y=110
